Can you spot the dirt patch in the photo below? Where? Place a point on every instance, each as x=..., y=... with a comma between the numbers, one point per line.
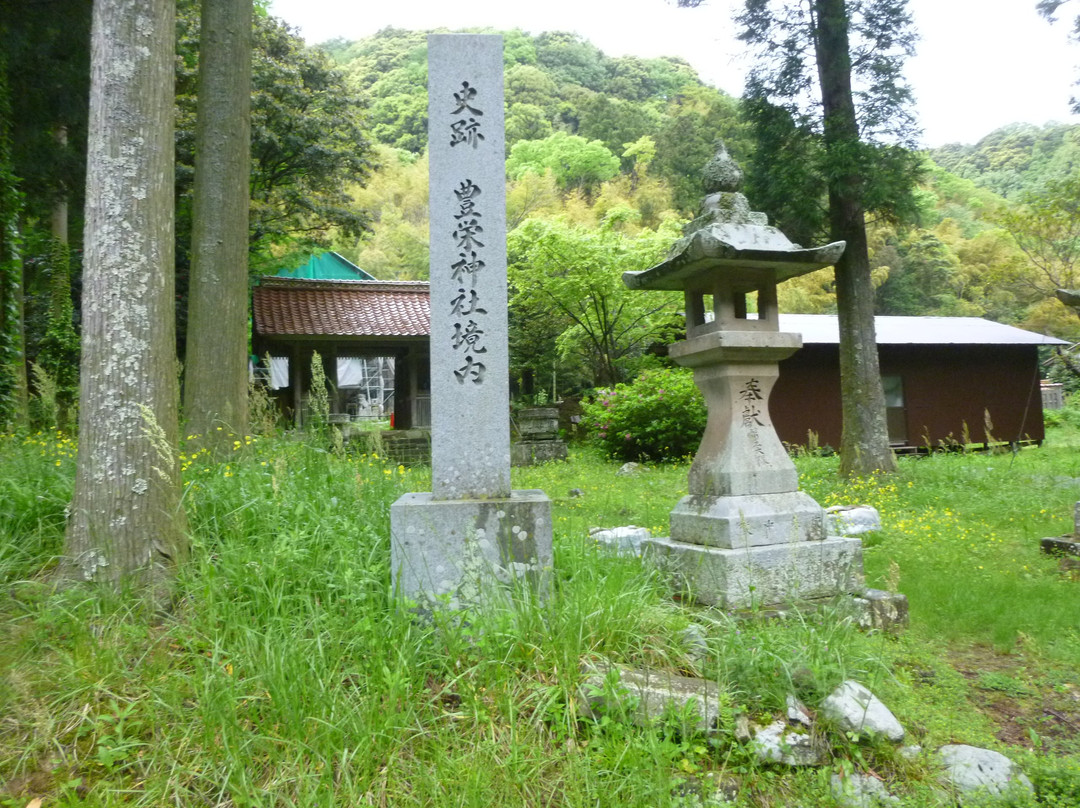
x=1032, y=705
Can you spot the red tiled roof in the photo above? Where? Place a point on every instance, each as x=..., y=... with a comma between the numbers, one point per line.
x=301, y=307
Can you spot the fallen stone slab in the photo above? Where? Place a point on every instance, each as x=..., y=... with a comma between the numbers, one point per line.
x=779, y=743
x=860, y=791
x=647, y=695
x=1064, y=546
x=853, y=708
x=852, y=520
x=970, y=769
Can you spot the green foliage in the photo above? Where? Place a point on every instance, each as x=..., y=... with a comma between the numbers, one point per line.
x=12, y=368
x=568, y=278
x=557, y=82
x=1015, y=160
x=1046, y=227
x=660, y=416
x=1069, y=415
x=309, y=146
x=318, y=404
x=45, y=407
x=825, y=157
x=58, y=352
x=574, y=161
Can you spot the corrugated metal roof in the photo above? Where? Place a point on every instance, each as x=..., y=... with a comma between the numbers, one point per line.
x=824, y=329
x=327, y=266
x=301, y=307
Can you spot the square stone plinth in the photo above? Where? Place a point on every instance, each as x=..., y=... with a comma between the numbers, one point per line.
x=462, y=553
x=753, y=520
x=761, y=576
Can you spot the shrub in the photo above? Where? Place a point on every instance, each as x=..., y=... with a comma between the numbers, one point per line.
x=658, y=416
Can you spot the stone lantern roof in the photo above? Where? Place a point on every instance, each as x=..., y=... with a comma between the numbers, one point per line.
x=728, y=236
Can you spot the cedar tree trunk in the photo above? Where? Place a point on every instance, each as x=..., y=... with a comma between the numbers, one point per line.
x=216, y=373
x=126, y=525
x=864, y=447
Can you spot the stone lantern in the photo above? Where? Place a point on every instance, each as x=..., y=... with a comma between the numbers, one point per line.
x=745, y=535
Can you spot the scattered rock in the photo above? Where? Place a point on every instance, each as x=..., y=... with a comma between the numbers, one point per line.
x=860, y=791
x=629, y=470
x=878, y=609
x=626, y=539
x=648, y=695
x=780, y=744
x=695, y=641
x=911, y=751
x=797, y=713
x=743, y=733
x=969, y=769
x=852, y=520
x=853, y=708
x=574, y=493
x=708, y=791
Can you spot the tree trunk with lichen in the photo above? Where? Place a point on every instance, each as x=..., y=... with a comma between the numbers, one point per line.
x=864, y=446
x=126, y=526
x=216, y=370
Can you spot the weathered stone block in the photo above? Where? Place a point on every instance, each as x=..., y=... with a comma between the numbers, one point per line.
x=753, y=520
x=886, y=611
x=538, y=423
x=761, y=576
x=535, y=452
x=458, y=552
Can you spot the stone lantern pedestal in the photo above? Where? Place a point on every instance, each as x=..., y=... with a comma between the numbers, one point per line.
x=745, y=535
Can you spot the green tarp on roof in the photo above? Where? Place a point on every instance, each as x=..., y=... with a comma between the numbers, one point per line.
x=327, y=267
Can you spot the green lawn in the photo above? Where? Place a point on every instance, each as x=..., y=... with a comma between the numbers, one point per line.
x=283, y=675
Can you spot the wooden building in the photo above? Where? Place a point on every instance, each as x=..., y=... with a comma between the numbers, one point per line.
x=347, y=321
x=947, y=380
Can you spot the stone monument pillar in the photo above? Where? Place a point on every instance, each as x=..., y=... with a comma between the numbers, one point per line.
x=454, y=545
x=745, y=535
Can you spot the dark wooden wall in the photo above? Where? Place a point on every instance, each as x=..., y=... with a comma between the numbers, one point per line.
x=945, y=386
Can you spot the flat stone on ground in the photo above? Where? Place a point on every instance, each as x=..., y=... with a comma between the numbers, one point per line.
x=650, y=695
x=970, y=769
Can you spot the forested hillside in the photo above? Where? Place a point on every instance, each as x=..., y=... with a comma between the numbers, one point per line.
x=603, y=160
x=618, y=142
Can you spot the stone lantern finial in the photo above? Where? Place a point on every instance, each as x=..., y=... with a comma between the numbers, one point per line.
x=721, y=173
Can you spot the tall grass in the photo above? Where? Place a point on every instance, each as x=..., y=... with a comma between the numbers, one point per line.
x=284, y=674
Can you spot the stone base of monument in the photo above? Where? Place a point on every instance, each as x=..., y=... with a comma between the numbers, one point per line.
x=535, y=452
x=767, y=575
x=751, y=520
x=467, y=553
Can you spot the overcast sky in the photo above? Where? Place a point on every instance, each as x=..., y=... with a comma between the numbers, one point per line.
x=980, y=63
